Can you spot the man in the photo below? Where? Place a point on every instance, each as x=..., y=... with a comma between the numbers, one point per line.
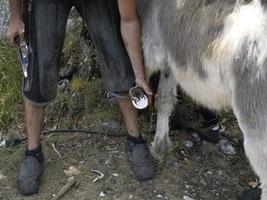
x=116, y=32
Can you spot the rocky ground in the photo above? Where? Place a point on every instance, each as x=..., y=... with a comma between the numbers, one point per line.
x=191, y=170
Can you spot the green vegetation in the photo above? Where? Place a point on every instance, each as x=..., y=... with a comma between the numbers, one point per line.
x=10, y=101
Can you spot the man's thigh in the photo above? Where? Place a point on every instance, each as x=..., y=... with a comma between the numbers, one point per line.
x=46, y=31
x=103, y=20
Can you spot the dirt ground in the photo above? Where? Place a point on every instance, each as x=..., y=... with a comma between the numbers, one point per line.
x=201, y=172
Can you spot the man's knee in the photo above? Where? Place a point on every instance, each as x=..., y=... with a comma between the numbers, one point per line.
x=40, y=86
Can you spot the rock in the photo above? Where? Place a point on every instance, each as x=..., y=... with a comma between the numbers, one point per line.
x=4, y=17
x=81, y=162
x=2, y=176
x=111, y=126
x=203, y=182
x=79, y=56
x=115, y=174
x=102, y=194
x=72, y=170
x=63, y=84
x=187, y=198
x=227, y=147
x=209, y=172
x=189, y=144
x=196, y=137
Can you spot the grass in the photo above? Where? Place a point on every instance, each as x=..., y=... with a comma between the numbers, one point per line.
x=10, y=79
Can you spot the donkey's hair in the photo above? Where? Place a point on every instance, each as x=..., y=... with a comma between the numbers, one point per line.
x=216, y=50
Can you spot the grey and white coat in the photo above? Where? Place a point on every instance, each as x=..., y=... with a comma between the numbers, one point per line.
x=216, y=51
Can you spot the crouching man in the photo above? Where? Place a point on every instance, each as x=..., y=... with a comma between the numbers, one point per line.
x=116, y=33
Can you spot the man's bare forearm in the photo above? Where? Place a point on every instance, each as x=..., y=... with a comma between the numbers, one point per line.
x=131, y=33
x=16, y=8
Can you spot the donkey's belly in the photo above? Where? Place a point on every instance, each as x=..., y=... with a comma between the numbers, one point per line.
x=210, y=91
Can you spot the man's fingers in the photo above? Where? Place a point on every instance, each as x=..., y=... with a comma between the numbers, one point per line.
x=12, y=41
x=21, y=32
x=146, y=89
x=148, y=92
x=22, y=37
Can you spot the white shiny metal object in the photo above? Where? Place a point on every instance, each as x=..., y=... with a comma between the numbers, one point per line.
x=138, y=98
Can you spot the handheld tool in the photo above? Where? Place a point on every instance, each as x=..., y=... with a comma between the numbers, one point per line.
x=24, y=52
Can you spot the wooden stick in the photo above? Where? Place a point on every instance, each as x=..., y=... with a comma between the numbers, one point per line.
x=65, y=188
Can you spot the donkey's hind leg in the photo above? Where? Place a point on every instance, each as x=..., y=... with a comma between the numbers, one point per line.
x=250, y=108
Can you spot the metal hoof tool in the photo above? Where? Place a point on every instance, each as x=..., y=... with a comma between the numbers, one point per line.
x=138, y=98
x=24, y=51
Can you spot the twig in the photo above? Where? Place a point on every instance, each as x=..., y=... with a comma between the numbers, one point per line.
x=65, y=188
x=54, y=148
x=101, y=175
x=110, y=157
x=5, y=188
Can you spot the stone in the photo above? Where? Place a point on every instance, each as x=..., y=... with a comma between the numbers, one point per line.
x=4, y=17
x=102, y=194
x=189, y=144
x=187, y=198
x=227, y=147
x=111, y=126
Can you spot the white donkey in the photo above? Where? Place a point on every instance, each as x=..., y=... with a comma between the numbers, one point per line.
x=216, y=50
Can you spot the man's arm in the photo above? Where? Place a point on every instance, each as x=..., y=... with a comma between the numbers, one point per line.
x=131, y=33
x=16, y=26
x=16, y=9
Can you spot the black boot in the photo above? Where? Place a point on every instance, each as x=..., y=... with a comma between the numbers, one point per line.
x=251, y=194
x=139, y=156
x=31, y=171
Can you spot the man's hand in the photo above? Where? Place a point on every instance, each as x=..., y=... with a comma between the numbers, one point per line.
x=142, y=83
x=16, y=28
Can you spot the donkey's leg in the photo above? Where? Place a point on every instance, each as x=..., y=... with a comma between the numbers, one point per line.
x=250, y=108
x=166, y=98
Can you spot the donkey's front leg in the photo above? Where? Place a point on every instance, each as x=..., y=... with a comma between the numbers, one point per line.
x=165, y=101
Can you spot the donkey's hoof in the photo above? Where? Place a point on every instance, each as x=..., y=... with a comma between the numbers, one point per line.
x=155, y=154
x=160, y=145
